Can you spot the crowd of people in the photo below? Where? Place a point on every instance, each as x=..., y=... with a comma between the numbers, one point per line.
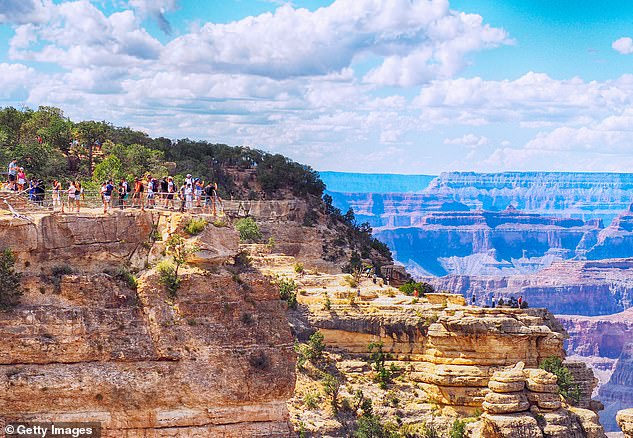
x=152, y=192
x=148, y=192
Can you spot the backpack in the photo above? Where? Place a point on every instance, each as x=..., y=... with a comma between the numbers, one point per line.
x=128, y=188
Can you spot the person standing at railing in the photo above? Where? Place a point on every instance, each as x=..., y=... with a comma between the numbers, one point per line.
x=79, y=195
x=106, y=194
x=122, y=193
x=57, y=201
x=72, y=190
x=21, y=179
x=12, y=173
x=198, y=186
x=171, y=190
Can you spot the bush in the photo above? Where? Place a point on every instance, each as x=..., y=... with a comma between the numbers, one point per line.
x=378, y=358
x=567, y=386
x=299, y=269
x=248, y=229
x=195, y=226
x=423, y=288
x=220, y=223
x=311, y=400
x=458, y=430
x=331, y=386
x=370, y=426
x=123, y=275
x=10, y=287
x=288, y=292
x=60, y=270
x=168, y=277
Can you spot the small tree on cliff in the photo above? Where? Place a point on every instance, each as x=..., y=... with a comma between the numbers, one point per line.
x=10, y=287
x=177, y=248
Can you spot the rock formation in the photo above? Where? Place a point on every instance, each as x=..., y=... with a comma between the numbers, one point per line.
x=617, y=394
x=625, y=421
x=588, y=288
x=215, y=360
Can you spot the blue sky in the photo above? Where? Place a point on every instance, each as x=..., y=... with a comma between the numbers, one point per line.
x=403, y=86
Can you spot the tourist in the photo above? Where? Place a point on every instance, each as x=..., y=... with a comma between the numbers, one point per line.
x=122, y=193
x=39, y=192
x=520, y=301
x=163, y=189
x=492, y=301
x=472, y=299
x=71, y=192
x=171, y=189
x=31, y=191
x=21, y=175
x=209, y=198
x=189, y=197
x=198, y=186
x=79, y=195
x=183, y=197
x=12, y=173
x=57, y=189
x=107, y=195
x=137, y=196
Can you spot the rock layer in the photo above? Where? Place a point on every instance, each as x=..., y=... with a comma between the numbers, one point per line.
x=216, y=360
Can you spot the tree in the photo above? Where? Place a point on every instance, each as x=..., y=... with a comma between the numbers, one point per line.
x=10, y=287
x=91, y=134
x=178, y=249
x=109, y=168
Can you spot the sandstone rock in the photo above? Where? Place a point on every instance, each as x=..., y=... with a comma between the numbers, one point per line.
x=545, y=400
x=506, y=386
x=625, y=421
x=589, y=422
x=539, y=387
x=539, y=376
x=510, y=426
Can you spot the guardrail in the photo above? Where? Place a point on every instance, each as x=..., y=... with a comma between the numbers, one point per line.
x=50, y=200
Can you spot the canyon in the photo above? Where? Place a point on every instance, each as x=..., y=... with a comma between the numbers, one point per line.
x=218, y=359
x=559, y=240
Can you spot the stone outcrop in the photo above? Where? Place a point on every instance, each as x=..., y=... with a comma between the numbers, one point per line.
x=217, y=360
x=526, y=403
x=625, y=421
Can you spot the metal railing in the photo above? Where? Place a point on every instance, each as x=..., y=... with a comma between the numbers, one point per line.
x=52, y=200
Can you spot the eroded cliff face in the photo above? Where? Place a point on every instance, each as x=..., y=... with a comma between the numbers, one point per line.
x=442, y=355
x=600, y=287
x=216, y=360
x=617, y=394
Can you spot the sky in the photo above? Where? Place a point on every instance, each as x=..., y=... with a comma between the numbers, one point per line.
x=383, y=86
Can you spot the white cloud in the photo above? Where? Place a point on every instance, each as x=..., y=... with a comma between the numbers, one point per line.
x=78, y=35
x=416, y=41
x=467, y=140
x=24, y=11
x=156, y=9
x=623, y=45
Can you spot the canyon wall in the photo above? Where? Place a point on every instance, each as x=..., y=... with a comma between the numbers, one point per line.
x=85, y=345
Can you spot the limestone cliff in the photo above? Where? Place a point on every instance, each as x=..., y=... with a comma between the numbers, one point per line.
x=216, y=360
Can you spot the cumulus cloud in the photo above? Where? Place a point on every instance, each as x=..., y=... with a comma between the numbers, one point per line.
x=467, y=140
x=623, y=45
x=156, y=9
x=415, y=41
x=80, y=35
x=23, y=11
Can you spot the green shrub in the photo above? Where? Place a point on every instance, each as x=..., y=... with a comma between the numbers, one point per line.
x=168, y=277
x=288, y=292
x=220, y=223
x=423, y=288
x=370, y=426
x=311, y=400
x=248, y=229
x=299, y=269
x=10, y=286
x=195, y=226
x=122, y=274
x=378, y=358
x=331, y=386
x=567, y=386
x=458, y=430
x=327, y=303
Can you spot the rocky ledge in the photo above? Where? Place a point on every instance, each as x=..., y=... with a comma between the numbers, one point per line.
x=86, y=345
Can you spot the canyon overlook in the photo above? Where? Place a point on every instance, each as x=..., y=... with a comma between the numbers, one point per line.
x=559, y=240
x=218, y=360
